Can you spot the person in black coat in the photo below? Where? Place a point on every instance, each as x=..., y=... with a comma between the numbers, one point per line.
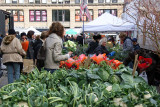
x=30, y=51
x=93, y=45
x=37, y=45
x=101, y=49
x=80, y=39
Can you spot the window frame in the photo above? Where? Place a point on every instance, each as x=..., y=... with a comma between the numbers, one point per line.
x=63, y=15
x=104, y=10
x=7, y=2
x=85, y=17
x=35, y=15
x=101, y=0
x=14, y=1
x=91, y=2
x=77, y=2
x=18, y=14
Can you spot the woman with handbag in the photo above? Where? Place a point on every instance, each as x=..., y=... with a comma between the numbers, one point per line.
x=12, y=55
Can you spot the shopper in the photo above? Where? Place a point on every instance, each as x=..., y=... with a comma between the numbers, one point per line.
x=135, y=44
x=37, y=45
x=93, y=45
x=53, y=47
x=24, y=41
x=80, y=39
x=31, y=40
x=12, y=54
x=101, y=49
x=127, y=42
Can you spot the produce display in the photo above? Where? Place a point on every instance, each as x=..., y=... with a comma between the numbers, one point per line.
x=119, y=55
x=70, y=45
x=99, y=85
x=83, y=60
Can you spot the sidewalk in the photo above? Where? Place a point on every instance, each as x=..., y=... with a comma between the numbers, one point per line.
x=3, y=79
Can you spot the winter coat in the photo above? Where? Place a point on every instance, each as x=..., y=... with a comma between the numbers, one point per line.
x=53, y=47
x=136, y=47
x=11, y=49
x=79, y=40
x=92, y=46
x=101, y=50
x=37, y=45
x=127, y=45
x=30, y=51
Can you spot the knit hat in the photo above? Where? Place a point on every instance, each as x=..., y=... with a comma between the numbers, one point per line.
x=134, y=40
x=23, y=34
x=11, y=32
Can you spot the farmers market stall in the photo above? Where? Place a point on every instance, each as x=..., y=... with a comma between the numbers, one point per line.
x=97, y=82
x=108, y=22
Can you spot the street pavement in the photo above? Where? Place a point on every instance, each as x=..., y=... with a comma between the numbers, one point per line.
x=4, y=79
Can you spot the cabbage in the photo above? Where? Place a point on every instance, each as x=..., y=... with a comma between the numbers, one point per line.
x=119, y=102
x=92, y=97
x=23, y=104
x=114, y=79
x=31, y=88
x=147, y=96
x=140, y=105
x=133, y=96
x=109, y=88
x=104, y=75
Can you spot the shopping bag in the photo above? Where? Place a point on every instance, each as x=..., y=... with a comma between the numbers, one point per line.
x=28, y=65
x=144, y=76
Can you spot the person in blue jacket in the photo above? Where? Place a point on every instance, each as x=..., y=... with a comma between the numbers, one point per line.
x=135, y=44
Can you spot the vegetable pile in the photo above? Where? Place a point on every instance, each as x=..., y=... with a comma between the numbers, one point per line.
x=119, y=54
x=83, y=60
x=70, y=45
x=98, y=86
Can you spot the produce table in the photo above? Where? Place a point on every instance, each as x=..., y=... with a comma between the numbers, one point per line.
x=99, y=85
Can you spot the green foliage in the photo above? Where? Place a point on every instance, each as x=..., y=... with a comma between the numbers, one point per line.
x=98, y=86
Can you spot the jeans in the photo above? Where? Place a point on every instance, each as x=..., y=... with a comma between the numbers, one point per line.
x=50, y=70
x=13, y=66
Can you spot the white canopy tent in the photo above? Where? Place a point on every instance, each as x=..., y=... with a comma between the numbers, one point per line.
x=36, y=32
x=106, y=23
x=20, y=30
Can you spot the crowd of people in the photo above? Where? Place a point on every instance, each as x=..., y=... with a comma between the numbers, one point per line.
x=14, y=50
x=46, y=49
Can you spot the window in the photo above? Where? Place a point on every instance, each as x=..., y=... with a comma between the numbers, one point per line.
x=108, y=1
x=111, y=11
x=44, y=1
x=114, y=1
x=54, y=1
x=21, y=1
x=90, y=1
x=100, y=1
x=38, y=16
x=14, y=1
x=60, y=1
x=60, y=15
x=77, y=16
x=18, y=15
x=37, y=1
x=8, y=1
x=67, y=1
x=31, y=1
x=77, y=1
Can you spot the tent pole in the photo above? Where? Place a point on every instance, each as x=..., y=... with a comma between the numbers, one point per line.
x=83, y=27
